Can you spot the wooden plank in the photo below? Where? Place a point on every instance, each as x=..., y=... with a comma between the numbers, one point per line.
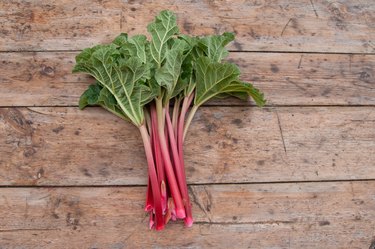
x=286, y=79
x=294, y=215
x=57, y=25
x=272, y=25
x=66, y=146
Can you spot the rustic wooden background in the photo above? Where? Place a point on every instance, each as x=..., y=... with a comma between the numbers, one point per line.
x=299, y=173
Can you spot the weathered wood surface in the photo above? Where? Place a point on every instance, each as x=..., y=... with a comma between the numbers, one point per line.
x=270, y=25
x=305, y=175
x=45, y=79
x=66, y=146
x=294, y=215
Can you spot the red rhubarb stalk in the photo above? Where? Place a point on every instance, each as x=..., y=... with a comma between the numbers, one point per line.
x=180, y=211
x=158, y=158
x=185, y=106
x=179, y=172
x=153, y=178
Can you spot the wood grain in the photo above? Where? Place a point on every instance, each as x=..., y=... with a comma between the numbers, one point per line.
x=269, y=25
x=293, y=215
x=45, y=79
x=57, y=25
x=66, y=146
x=297, y=174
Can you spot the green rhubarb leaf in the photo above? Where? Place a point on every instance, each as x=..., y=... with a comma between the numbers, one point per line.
x=241, y=89
x=123, y=78
x=214, y=45
x=97, y=95
x=162, y=30
x=132, y=46
x=121, y=40
x=90, y=96
x=137, y=47
x=236, y=88
x=239, y=95
x=187, y=76
x=213, y=78
x=168, y=75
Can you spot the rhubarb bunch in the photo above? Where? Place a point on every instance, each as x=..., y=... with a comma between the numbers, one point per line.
x=158, y=85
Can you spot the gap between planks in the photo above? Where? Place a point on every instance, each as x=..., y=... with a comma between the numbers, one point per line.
x=191, y=184
x=252, y=105
x=231, y=51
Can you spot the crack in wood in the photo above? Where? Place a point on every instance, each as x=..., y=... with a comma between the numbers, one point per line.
x=286, y=25
x=300, y=62
x=312, y=5
x=135, y=229
x=26, y=208
x=295, y=84
x=209, y=199
x=38, y=112
x=352, y=190
x=121, y=17
x=281, y=131
x=197, y=202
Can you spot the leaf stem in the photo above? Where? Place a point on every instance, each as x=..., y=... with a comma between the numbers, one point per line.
x=148, y=121
x=175, y=113
x=185, y=105
x=190, y=117
x=158, y=156
x=153, y=178
x=180, y=211
x=180, y=171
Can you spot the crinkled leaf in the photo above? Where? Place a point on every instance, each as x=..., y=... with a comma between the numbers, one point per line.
x=124, y=79
x=132, y=46
x=137, y=46
x=191, y=40
x=213, y=78
x=239, y=95
x=90, y=96
x=162, y=30
x=181, y=45
x=147, y=94
x=121, y=40
x=239, y=89
x=154, y=87
x=214, y=45
x=97, y=95
x=187, y=76
x=168, y=74
x=179, y=88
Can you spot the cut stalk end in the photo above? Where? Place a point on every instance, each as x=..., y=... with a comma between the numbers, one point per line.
x=159, y=227
x=180, y=213
x=188, y=221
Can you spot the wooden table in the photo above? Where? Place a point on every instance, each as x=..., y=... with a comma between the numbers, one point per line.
x=299, y=173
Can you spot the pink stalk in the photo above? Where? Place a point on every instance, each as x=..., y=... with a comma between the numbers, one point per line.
x=179, y=171
x=173, y=146
x=180, y=210
x=149, y=198
x=149, y=206
x=185, y=106
x=153, y=178
x=175, y=114
x=158, y=157
x=151, y=222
